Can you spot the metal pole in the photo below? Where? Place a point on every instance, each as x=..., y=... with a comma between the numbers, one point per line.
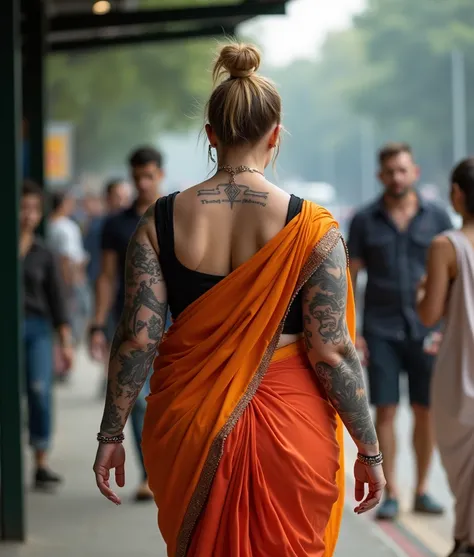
x=331, y=169
x=11, y=462
x=33, y=81
x=34, y=53
x=458, y=82
x=367, y=154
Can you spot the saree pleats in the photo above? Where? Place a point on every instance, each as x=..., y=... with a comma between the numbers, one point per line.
x=212, y=366
x=276, y=483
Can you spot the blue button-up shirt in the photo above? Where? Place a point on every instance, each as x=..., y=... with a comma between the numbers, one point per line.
x=395, y=262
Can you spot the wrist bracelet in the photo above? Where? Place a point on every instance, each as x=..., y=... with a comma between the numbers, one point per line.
x=370, y=460
x=116, y=439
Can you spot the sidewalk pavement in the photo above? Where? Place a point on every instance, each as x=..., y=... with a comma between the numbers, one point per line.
x=77, y=521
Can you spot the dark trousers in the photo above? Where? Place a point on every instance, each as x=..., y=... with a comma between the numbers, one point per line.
x=387, y=360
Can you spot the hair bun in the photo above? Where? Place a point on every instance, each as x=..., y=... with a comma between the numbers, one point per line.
x=238, y=60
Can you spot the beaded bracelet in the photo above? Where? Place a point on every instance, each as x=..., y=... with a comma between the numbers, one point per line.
x=370, y=460
x=109, y=440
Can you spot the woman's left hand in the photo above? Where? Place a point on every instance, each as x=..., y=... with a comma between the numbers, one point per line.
x=110, y=455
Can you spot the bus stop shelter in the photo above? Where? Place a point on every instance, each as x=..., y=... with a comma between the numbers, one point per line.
x=29, y=30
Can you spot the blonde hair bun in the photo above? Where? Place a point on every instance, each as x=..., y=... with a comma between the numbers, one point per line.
x=238, y=60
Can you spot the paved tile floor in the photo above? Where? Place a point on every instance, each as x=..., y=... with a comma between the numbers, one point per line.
x=78, y=522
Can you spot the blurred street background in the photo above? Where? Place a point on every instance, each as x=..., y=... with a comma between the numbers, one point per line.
x=353, y=74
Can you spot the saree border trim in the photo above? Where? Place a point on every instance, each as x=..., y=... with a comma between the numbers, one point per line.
x=196, y=504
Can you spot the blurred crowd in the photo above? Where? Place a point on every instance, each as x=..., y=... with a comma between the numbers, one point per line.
x=74, y=289
x=417, y=316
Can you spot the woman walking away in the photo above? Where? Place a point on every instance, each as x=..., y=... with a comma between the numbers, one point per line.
x=448, y=290
x=45, y=311
x=242, y=438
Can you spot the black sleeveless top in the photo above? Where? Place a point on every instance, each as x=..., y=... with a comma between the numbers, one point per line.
x=185, y=285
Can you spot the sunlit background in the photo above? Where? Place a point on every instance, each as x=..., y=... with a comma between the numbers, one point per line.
x=353, y=74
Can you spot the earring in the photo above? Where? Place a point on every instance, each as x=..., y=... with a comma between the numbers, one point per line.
x=210, y=154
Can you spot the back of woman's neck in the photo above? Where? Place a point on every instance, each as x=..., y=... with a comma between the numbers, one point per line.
x=237, y=159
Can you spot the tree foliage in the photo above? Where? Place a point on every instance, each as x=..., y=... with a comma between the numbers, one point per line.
x=121, y=96
x=392, y=68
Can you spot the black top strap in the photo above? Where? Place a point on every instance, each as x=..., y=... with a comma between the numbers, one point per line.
x=294, y=207
x=164, y=223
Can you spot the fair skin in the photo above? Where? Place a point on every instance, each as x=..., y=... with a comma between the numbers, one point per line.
x=398, y=174
x=215, y=238
x=31, y=213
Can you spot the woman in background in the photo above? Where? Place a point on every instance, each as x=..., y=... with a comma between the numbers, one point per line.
x=448, y=290
x=44, y=313
x=242, y=440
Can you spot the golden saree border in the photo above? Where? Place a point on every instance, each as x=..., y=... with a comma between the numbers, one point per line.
x=318, y=255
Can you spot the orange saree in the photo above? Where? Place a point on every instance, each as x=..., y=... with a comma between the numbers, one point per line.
x=242, y=449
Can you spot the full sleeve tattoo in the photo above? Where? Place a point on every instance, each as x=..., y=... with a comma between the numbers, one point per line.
x=330, y=348
x=139, y=331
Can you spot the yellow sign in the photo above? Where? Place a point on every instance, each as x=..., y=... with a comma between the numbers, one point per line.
x=58, y=152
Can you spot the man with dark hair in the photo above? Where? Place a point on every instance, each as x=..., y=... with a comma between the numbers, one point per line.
x=147, y=174
x=144, y=156
x=389, y=238
x=391, y=150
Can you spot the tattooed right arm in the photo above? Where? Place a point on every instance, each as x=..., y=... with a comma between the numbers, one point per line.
x=331, y=350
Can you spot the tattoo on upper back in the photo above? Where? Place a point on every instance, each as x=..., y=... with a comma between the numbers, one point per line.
x=325, y=298
x=233, y=193
x=143, y=318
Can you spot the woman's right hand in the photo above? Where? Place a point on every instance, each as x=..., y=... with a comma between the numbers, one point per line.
x=374, y=477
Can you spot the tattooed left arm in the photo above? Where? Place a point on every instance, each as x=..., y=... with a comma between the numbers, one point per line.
x=140, y=328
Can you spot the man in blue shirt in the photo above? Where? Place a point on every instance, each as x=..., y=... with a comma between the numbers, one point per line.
x=389, y=238
x=147, y=173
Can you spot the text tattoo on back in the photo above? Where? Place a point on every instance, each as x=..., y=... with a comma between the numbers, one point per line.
x=231, y=194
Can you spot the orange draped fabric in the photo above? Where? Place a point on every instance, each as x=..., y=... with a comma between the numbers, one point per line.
x=210, y=376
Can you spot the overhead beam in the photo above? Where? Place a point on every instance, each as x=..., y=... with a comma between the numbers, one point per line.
x=81, y=22
x=98, y=43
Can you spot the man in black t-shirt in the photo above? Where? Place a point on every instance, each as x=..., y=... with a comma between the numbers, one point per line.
x=147, y=175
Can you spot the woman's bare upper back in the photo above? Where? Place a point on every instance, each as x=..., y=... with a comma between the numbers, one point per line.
x=219, y=225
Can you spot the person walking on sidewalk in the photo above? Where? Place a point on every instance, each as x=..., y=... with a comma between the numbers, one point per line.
x=243, y=431
x=448, y=290
x=45, y=312
x=389, y=238
x=146, y=166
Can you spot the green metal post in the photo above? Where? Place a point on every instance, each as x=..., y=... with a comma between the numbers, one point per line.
x=34, y=53
x=11, y=464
